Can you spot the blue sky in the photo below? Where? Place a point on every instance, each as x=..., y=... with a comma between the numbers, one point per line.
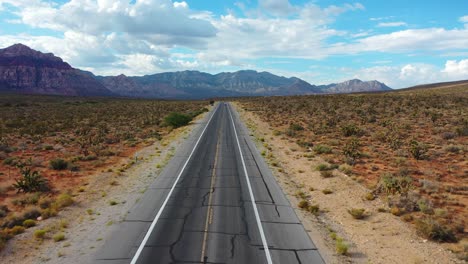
x=400, y=43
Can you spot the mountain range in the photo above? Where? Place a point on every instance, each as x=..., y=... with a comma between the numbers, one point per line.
x=24, y=70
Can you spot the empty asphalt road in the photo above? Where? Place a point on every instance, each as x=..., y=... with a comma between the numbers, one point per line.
x=215, y=202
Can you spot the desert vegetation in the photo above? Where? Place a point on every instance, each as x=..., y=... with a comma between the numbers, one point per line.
x=408, y=147
x=49, y=145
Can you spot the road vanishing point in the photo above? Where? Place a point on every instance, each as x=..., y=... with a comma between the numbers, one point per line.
x=215, y=202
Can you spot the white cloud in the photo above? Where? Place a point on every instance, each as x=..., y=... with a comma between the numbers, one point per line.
x=414, y=73
x=391, y=24
x=174, y=23
x=463, y=19
x=434, y=39
x=456, y=69
x=182, y=4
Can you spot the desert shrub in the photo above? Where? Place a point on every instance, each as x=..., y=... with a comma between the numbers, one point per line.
x=322, y=149
x=314, y=209
x=327, y=191
x=417, y=149
x=296, y=127
x=432, y=229
x=29, y=223
x=350, y=130
x=407, y=218
x=448, y=135
x=44, y=202
x=31, y=213
x=391, y=184
x=303, y=204
x=12, y=220
x=58, y=164
x=326, y=174
x=357, y=213
x=177, y=120
x=396, y=211
x=322, y=167
x=453, y=148
x=341, y=246
x=12, y=161
x=64, y=200
x=31, y=181
x=369, y=196
x=16, y=230
x=40, y=233
x=48, y=213
x=351, y=150
x=345, y=168
x=462, y=130
x=58, y=237
x=425, y=206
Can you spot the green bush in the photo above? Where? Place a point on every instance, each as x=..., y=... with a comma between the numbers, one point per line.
x=59, y=237
x=64, y=200
x=351, y=150
x=391, y=184
x=341, y=246
x=58, y=164
x=177, y=120
x=350, y=130
x=322, y=149
x=417, y=149
x=322, y=167
x=29, y=223
x=40, y=233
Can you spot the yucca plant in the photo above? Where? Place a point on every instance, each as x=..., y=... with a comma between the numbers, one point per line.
x=31, y=181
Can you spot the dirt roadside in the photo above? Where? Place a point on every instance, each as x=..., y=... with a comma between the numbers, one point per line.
x=105, y=200
x=379, y=238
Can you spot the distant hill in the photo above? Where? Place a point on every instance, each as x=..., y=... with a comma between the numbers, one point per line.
x=24, y=70
x=195, y=84
x=356, y=86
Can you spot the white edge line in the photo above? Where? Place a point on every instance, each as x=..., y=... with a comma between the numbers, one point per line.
x=153, y=224
x=254, y=205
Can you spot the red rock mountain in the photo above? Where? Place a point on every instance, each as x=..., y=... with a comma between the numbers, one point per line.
x=24, y=70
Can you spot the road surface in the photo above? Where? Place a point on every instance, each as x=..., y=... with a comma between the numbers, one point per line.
x=201, y=210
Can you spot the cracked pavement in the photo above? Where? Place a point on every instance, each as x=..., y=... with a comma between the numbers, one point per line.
x=210, y=211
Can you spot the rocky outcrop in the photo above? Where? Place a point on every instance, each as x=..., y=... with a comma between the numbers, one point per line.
x=24, y=70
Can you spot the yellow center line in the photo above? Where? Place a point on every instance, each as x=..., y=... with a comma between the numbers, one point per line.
x=209, y=212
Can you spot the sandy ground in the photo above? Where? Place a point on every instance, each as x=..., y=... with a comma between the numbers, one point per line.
x=379, y=238
x=87, y=223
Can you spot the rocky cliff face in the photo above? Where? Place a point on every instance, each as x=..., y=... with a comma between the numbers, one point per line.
x=355, y=86
x=24, y=70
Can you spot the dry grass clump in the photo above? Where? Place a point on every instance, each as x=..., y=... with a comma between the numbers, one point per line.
x=358, y=213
